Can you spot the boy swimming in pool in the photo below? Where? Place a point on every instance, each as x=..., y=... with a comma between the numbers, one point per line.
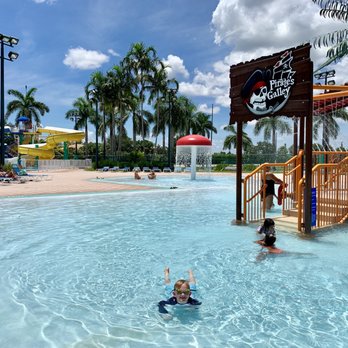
x=181, y=293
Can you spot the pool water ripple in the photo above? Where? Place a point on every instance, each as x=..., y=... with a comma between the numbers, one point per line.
x=87, y=271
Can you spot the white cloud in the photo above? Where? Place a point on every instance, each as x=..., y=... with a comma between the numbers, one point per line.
x=80, y=58
x=113, y=53
x=268, y=25
x=44, y=1
x=175, y=67
x=208, y=108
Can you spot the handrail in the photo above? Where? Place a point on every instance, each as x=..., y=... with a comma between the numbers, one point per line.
x=254, y=187
x=329, y=179
x=331, y=184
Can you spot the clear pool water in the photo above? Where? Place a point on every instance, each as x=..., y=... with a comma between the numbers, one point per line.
x=87, y=271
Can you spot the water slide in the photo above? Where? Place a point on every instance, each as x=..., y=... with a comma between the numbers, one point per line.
x=55, y=137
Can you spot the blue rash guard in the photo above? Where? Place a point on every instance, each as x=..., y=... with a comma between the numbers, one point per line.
x=172, y=302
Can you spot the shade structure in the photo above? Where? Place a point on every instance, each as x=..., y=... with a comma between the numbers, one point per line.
x=193, y=139
x=193, y=149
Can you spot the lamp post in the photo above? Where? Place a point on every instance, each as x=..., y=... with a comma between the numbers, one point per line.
x=4, y=41
x=325, y=75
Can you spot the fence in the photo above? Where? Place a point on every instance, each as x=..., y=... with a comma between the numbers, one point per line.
x=58, y=164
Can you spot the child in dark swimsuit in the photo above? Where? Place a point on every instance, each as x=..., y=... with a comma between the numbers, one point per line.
x=181, y=293
x=269, y=238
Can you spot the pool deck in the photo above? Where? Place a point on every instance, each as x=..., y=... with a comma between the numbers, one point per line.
x=66, y=182
x=73, y=181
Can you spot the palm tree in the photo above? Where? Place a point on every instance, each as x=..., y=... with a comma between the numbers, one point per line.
x=94, y=90
x=141, y=62
x=337, y=40
x=118, y=95
x=84, y=110
x=231, y=140
x=158, y=86
x=26, y=105
x=202, y=124
x=330, y=128
x=270, y=126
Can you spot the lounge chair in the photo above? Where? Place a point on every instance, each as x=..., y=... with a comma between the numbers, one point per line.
x=105, y=169
x=114, y=169
x=136, y=169
x=156, y=169
x=177, y=169
x=22, y=174
x=146, y=169
x=167, y=170
x=187, y=170
x=125, y=169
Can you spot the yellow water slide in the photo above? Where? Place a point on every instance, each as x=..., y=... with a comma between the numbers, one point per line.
x=55, y=137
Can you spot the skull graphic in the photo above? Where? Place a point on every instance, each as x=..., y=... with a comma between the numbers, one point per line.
x=258, y=97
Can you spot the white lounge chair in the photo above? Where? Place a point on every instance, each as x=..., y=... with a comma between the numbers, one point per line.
x=167, y=170
x=177, y=169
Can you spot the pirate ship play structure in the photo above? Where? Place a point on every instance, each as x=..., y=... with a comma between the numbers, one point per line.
x=315, y=190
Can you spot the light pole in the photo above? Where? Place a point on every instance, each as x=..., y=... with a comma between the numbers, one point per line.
x=4, y=41
x=325, y=75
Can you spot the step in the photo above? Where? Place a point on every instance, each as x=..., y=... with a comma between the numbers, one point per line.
x=286, y=223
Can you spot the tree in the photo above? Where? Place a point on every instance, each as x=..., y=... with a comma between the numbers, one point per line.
x=141, y=62
x=158, y=87
x=94, y=90
x=26, y=105
x=231, y=140
x=202, y=124
x=84, y=110
x=117, y=93
x=270, y=127
x=337, y=40
x=330, y=128
x=262, y=152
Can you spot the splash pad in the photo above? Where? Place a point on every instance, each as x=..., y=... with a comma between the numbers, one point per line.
x=192, y=151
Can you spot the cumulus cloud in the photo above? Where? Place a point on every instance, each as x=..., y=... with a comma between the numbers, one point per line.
x=175, y=67
x=44, y=1
x=208, y=108
x=209, y=84
x=80, y=58
x=269, y=25
x=113, y=53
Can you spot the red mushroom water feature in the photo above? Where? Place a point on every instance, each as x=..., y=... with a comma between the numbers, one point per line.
x=193, y=149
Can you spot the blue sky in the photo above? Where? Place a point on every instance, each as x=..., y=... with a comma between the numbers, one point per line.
x=62, y=42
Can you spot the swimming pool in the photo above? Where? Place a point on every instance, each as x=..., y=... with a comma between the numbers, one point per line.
x=87, y=271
